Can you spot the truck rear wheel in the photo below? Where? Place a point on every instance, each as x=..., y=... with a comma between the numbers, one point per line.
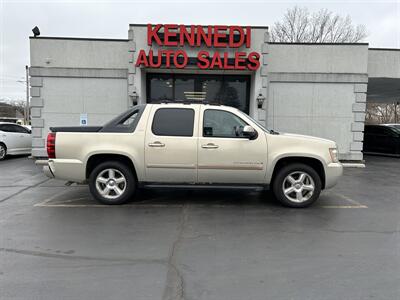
x=112, y=182
x=297, y=185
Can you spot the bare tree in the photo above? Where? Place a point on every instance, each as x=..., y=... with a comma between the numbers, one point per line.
x=14, y=108
x=301, y=26
x=378, y=113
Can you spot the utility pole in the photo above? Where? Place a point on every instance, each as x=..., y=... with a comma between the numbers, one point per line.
x=27, y=109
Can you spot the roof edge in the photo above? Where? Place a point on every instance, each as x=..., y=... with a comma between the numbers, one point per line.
x=320, y=44
x=145, y=25
x=77, y=38
x=385, y=49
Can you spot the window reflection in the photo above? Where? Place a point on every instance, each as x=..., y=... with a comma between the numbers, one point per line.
x=232, y=90
x=161, y=87
x=184, y=88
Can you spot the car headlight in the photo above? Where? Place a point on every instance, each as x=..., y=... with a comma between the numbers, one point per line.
x=334, y=154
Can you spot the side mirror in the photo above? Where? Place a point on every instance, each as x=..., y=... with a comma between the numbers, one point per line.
x=249, y=132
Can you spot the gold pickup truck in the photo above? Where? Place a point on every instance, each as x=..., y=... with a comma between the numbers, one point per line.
x=191, y=145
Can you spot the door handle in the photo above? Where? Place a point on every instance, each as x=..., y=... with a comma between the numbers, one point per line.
x=156, y=144
x=209, y=146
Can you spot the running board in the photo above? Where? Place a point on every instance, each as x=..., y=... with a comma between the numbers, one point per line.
x=205, y=186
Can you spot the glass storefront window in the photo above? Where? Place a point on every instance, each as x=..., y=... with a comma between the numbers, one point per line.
x=211, y=88
x=162, y=87
x=184, y=88
x=232, y=90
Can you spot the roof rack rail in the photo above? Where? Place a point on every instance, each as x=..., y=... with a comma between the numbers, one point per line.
x=185, y=102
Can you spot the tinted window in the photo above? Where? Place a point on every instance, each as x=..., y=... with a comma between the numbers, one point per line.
x=219, y=123
x=373, y=130
x=391, y=131
x=232, y=90
x=173, y=122
x=19, y=129
x=8, y=128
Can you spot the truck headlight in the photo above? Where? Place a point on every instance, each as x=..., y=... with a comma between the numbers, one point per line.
x=334, y=154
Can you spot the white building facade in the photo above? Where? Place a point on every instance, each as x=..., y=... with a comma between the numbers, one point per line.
x=313, y=89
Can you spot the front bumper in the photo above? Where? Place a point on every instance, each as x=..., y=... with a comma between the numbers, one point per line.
x=333, y=172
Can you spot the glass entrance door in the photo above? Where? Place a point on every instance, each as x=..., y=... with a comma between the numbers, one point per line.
x=232, y=90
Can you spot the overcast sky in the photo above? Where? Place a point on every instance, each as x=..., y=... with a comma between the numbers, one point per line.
x=110, y=19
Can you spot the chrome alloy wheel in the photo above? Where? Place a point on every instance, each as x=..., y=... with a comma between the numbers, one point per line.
x=110, y=183
x=298, y=186
x=2, y=152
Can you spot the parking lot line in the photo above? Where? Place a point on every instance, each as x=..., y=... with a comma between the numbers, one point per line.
x=344, y=206
x=43, y=203
x=354, y=203
x=72, y=203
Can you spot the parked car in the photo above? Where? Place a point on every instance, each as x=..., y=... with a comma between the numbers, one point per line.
x=29, y=127
x=191, y=145
x=14, y=140
x=382, y=139
x=395, y=125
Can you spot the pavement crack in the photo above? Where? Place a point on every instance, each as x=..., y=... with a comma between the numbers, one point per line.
x=199, y=236
x=79, y=257
x=23, y=190
x=175, y=285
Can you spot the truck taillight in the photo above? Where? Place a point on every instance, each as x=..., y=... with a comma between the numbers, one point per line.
x=51, y=145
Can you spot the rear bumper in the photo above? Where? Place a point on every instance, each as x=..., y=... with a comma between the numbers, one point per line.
x=333, y=172
x=48, y=172
x=46, y=168
x=66, y=169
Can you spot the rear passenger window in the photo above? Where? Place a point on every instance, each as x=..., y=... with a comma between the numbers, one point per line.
x=173, y=122
x=8, y=128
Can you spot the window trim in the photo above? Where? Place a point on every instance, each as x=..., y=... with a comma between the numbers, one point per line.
x=166, y=108
x=225, y=137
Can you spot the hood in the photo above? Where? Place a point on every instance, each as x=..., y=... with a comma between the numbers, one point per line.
x=307, y=137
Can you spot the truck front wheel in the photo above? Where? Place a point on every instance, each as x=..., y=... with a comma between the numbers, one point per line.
x=297, y=185
x=112, y=182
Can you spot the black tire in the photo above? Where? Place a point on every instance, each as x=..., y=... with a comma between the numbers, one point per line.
x=3, y=154
x=296, y=168
x=130, y=183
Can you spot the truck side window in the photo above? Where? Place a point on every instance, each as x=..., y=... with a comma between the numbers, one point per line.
x=129, y=120
x=220, y=123
x=173, y=122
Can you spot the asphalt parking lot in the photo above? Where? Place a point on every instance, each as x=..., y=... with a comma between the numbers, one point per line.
x=57, y=243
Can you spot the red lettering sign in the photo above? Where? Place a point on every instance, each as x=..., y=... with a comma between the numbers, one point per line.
x=217, y=36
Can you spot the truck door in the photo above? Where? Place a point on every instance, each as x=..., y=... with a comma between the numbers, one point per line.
x=226, y=156
x=171, y=144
